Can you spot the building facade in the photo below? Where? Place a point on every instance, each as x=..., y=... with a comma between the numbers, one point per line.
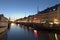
x=3, y=21
x=50, y=15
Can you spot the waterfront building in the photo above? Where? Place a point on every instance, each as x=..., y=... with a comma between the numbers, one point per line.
x=30, y=18
x=50, y=15
x=3, y=21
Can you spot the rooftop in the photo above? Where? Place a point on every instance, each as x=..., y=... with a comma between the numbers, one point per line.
x=50, y=9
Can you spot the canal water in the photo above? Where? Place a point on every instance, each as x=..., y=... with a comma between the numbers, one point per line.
x=18, y=32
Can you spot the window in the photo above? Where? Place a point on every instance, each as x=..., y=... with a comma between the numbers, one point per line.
x=54, y=9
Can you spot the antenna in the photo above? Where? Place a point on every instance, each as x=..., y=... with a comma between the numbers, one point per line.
x=37, y=9
x=9, y=18
x=25, y=14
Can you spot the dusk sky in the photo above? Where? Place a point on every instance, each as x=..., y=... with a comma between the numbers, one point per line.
x=18, y=8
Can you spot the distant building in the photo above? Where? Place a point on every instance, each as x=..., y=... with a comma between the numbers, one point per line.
x=25, y=19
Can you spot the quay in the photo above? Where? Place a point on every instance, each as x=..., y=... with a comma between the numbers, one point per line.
x=42, y=27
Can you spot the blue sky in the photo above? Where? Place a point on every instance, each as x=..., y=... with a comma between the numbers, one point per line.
x=18, y=8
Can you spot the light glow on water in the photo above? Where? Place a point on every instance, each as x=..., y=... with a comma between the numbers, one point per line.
x=56, y=36
x=35, y=33
x=12, y=24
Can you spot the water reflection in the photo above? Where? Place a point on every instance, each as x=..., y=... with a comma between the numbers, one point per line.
x=12, y=24
x=3, y=36
x=43, y=35
x=56, y=36
x=21, y=32
x=36, y=34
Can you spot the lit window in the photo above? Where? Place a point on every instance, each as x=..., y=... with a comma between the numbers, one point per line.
x=35, y=18
x=51, y=23
x=56, y=21
x=54, y=9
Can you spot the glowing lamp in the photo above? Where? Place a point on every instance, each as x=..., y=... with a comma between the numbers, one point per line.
x=56, y=21
x=51, y=23
x=35, y=18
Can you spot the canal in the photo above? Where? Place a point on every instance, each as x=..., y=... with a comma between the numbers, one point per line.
x=18, y=32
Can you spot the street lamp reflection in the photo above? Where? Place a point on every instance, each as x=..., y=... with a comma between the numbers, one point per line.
x=12, y=24
x=36, y=34
x=56, y=36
